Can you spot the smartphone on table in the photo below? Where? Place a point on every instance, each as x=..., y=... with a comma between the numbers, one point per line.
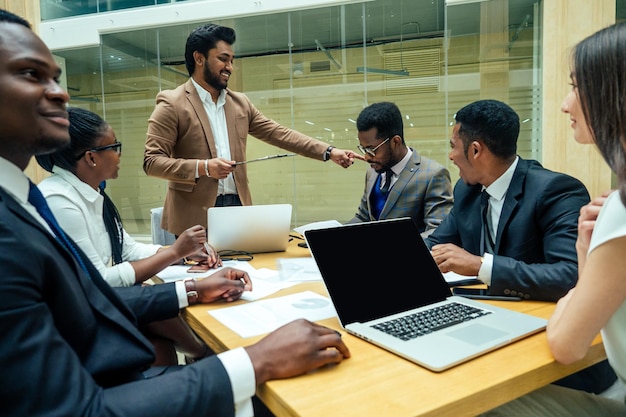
x=482, y=294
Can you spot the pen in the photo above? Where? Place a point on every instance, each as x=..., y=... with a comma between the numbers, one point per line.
x=207, y=248
x=264, y=158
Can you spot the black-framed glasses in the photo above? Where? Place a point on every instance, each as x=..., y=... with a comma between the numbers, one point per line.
x=115, y=146
x=372, y=151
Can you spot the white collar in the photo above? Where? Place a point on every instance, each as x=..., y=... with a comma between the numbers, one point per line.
x=499, y=187
x=84, y=189
x=14, y=181
x=206, y=97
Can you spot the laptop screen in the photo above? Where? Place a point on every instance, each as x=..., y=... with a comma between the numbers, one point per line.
x=375, y=269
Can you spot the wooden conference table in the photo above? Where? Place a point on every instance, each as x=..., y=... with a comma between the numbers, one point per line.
x=374, y=382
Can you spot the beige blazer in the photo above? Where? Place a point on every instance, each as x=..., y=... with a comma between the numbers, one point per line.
x=179, y=133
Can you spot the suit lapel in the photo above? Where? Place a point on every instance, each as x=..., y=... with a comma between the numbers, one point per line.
x=203, y=119
x=410, y=169
x=371, y=183
x=511, y=200
x=97, y=291
x=19, y=211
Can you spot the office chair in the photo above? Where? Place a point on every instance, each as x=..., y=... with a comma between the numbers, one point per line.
x=159, y=236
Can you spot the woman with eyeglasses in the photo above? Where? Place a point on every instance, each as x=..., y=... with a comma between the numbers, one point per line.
x=76, y=196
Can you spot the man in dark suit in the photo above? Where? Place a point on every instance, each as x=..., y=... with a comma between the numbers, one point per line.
x=70, y=343
x=521, y=238
x=418, y=187
x=199, y=130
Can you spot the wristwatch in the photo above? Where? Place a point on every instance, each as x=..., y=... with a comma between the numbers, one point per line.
x=327, y=153
x=192, y=293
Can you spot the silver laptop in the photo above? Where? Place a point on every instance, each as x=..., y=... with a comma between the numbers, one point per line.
x=252, y=229
x=378, y=273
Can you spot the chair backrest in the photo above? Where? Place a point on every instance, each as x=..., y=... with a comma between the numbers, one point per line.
x=159, y=236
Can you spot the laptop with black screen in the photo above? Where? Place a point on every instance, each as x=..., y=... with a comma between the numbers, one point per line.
x=392, y=294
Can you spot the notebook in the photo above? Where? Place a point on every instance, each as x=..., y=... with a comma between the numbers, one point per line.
x=252, y=229
x=379, y=272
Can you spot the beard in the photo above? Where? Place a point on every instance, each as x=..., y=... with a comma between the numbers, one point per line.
x=213, y=80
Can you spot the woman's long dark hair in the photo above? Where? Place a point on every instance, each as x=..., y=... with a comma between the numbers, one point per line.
x=85, y=129
x=599, y=72
x=113, y=224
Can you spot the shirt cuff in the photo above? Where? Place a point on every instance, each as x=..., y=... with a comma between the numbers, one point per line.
x=484, y=273
x=242, y=380
x=181, y=293
x=126, y=273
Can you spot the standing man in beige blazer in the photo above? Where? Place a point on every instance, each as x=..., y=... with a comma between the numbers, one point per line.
x=198, y=130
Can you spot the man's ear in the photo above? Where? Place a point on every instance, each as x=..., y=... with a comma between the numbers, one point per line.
x=198, y=58
x=475, y=148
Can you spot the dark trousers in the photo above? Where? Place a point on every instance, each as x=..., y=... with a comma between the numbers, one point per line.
x=226, y=200
x=594, y=379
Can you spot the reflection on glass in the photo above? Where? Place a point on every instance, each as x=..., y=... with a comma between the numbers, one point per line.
x=314, y=70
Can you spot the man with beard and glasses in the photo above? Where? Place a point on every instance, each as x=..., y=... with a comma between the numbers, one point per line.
x=199, y=130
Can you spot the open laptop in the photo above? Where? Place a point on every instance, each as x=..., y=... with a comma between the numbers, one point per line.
x=252, y=229
x=380, y=271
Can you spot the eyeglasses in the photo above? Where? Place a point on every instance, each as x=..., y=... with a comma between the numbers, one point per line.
x=115, y=146
x=372, y=151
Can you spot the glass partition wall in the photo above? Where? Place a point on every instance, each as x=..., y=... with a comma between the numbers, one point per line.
x=314, y=70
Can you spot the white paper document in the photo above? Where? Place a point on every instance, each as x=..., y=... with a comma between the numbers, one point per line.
x=298, y=269
x=264, y=316
x=317, y=225
x=261, y=288
x=179, y=272
x=265, y=281
x=453, y=278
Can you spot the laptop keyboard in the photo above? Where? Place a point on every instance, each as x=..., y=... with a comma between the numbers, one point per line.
x=427, y=321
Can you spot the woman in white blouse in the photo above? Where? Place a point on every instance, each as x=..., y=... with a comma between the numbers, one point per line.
x=75, y=195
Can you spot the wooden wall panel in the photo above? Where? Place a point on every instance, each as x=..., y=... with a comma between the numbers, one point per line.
x=565, y=23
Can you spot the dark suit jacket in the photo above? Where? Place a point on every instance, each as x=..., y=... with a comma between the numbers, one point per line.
x=179, y=133
x=70, y=344
x=422, y=192
x=535, y=254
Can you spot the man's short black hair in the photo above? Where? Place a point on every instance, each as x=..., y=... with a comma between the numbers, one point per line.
x=8, y=17
x=385, y=117
x=204, y=38
x=492, y=122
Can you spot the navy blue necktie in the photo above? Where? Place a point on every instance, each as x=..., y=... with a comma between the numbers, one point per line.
x=37, y=199
x=379, y=194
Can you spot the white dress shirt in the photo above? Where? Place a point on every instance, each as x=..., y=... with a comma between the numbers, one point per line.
x=78, y=209
x=397, y=168
x=217, y=118
x=497, y=192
